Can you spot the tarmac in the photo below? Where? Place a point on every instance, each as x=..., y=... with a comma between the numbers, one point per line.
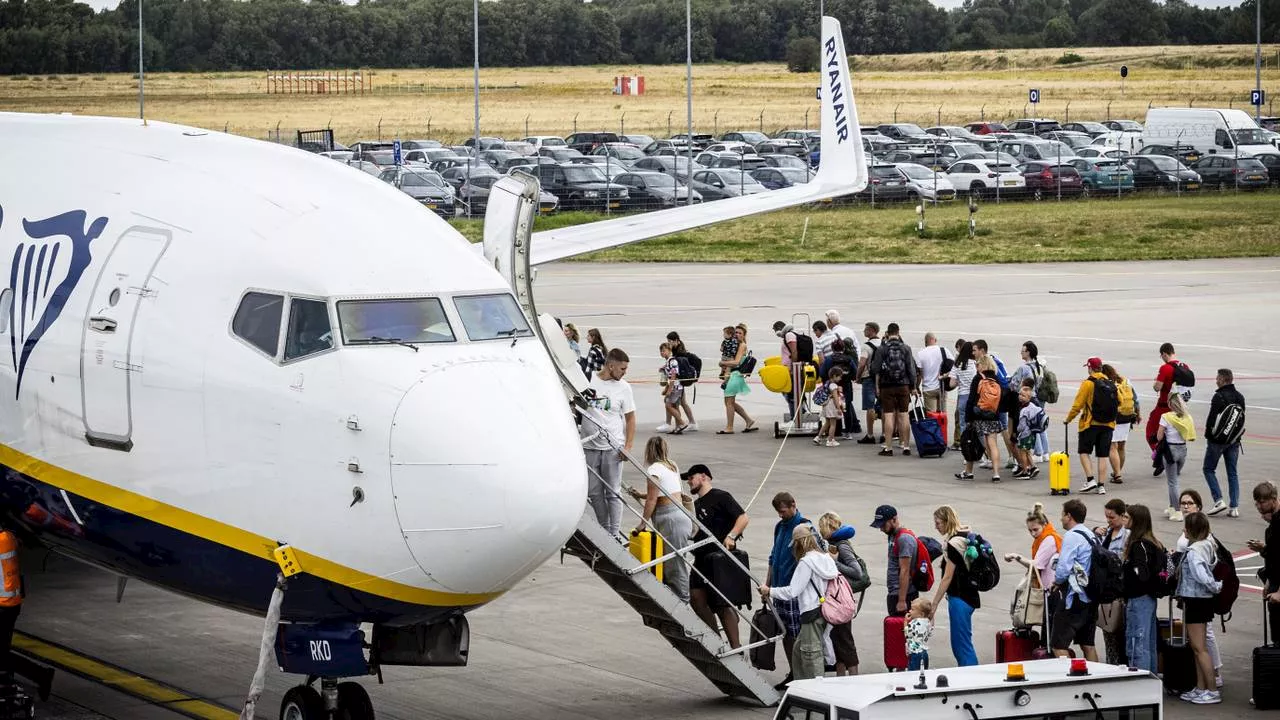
x=562, y=645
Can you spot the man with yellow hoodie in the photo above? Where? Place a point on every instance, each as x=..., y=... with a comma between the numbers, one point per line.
x=1097, y=404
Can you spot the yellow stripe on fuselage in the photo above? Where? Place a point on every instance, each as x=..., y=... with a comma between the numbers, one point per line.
x=228, y=535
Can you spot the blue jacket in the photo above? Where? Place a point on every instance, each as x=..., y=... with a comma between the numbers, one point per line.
x=782, y=562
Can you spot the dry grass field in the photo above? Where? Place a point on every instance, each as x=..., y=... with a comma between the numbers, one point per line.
x=952, y=87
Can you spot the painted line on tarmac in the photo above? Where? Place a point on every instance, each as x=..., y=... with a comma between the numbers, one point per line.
x=125, y=681
x=1111, y=340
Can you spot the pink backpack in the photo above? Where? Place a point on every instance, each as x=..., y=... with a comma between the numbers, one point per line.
x=839, y=605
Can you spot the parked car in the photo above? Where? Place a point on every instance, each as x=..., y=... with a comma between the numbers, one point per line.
x=653, y=190
x=1124, y=125
x=778, y=178
x=582, y=187
x=904, y=132
x=986, y=178
x=425, y=186
x=366, y=167
x=473, y=195
x=505, y=167
x=586, y=142
x=495, y=158
x=463, y=150
x=749, y=137
x=1272, y=162
x=992, y=156
x=624, y=152
x=786, y=161
x=952, y=132
x=731, y=146
x=339, y=155
x=446, y=163
x=783, y=146
x=1103, y=175
x=986, y=128
x=662, y=146
x=1035, y=150
x=521, y=147
x=420, y=144
x=1094, y=151
x=700, y=140
x=1046, y=179
x=800, y=135
x=640, y=141
x=1153, y=172
x=559, y=154
x=1073, y=140
x=1092, y=129
x=927, y=183
x=540, y=141
x=676, y=166
x=1034, y=126
x=1185, y=154
x=486, y=143
x=428, y=156
x=458, y=174
x=367, y=145
x=944, y=155
x=885, y=183
x=720, y=184
x=1225, y=171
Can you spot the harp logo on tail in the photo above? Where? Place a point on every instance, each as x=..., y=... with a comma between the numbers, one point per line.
x=45, y=269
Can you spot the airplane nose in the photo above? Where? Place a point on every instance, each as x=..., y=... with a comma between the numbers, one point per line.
x=487, y=472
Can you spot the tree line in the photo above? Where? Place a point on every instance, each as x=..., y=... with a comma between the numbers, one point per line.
x=63, y=36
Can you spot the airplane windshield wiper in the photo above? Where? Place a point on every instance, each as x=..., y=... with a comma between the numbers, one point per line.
x=509, y=333
x=394, y=341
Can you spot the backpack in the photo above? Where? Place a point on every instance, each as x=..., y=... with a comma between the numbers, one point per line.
x=860, y=585
x=690, y=368
x=922, y=573
x=1182, y=374
x=1001, y=375
x=1047, y=389
x=947, y=363
x=988, y=405
x=821, y=395
x=1224, y=571
x=837, y=603
x=748, y=364
x=804, y=349
x=1127, y=410
x=893, y=366
x=1106, y=404
x=1228, y=426
x=1106, y=572
x=982, y=571
x=1039, y=422
x=970, y=444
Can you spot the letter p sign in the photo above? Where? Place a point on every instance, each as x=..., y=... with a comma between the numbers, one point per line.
x=1257, y=98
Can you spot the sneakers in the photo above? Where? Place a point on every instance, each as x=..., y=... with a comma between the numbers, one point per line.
x=1208, y=697
x=1011, y=464
x=962, y=475
x=1090, y=486
x=1218, y=506
x=1234, y=512
x=664, y=427
x=866, y=440
x=984, y=463
x=1033, y=472
x=1102, y=489
x=832, y=443
x=1022, y=474
x=847, y=436
x=906, y=451
x=1217, y=681
x=995, y=478
x=1190, y=695
x=1174, y=515
x=885, y=452
x=817, y=440
x=881, y=440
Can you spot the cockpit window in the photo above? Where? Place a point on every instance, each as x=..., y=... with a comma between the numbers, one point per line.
x=257, y=321
x=309, y=331
x=398, y=320
x=487, y=317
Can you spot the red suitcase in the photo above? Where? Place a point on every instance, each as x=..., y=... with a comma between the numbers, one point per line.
x=1016, y=645
x=895, y=643
x=941, y=417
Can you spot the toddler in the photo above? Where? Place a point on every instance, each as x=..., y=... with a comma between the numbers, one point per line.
x=671, y=390
x=1031, y=420
x=919, y=629
x=728, y=349
x=832, y=409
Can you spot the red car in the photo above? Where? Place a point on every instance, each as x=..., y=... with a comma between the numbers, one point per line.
x=986, y=128
x=1046, y=180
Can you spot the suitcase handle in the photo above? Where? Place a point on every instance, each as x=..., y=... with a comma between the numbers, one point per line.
x=1066, y=439
x=1266, y=642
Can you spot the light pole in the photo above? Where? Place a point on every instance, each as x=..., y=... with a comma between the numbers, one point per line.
x=475, y=29
x=688, y=90
x=1257, y=61
x=141, y=96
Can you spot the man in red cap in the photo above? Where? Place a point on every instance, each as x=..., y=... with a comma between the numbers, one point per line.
x=1097, y=404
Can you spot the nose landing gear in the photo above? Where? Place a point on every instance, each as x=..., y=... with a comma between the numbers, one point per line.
x=334, y=701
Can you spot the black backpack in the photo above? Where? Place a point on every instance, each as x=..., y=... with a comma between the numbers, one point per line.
x=1224, y=571
x=1106, y=572
x=804, y=349
x=893, y=363
x=1182, y=374
x=970, y=444
x=689, y=368
x=1228, y=426
x=1106, y=402
x=983, y=571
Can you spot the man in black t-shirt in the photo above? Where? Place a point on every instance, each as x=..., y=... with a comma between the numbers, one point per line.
x=721, y=514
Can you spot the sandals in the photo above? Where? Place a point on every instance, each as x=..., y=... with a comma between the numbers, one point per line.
x=680, y=430
x=750, y=428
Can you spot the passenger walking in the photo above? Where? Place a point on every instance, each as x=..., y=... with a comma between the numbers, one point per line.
x=1075, y=614
x=672, y=391
x=1223, y=430
x=1189, y=501
x=662, y=509
x=1008, y=402
x=615, y=403
x=962, y=598
x=813, y=570
x=1128, y=411
x=839, y=537
x=678, y=350
x=1114, y=535
x=793, y=358
x=903, y=559
x=870, y=402
x=782, y=562
x=844, y=355
x=735, y=384
x=964, y=372
x=1163, y=385
x=982, y=411
x=918, y=630
x=930, y=361
x=1268, y=505
x=894, y=369
x=832, y=409
x=571, y=334
x=1144, y=561
x=720, y=513
x=1032, y=420
x=1175, y=430
x=1197, y=589
x=1097, y=405
x=1032, y=369
x=1045, y=544
x=595, y=357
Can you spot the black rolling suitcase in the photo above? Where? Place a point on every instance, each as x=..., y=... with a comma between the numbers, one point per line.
x=1177, y=659
x=1266, y=669
x=730, y=579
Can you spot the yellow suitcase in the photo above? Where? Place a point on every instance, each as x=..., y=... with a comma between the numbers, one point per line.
x=1060, y=468
x=646, y=546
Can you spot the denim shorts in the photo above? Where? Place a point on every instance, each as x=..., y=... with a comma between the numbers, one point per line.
x=869, y=400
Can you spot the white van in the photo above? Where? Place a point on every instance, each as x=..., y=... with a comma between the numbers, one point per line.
x=1210, y=130
x=1055, y=689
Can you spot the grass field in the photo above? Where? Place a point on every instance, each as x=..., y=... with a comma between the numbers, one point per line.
x=1135, y=228
x=923, y=88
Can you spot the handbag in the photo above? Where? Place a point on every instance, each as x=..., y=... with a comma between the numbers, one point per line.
x=1027, y=609
x=1111, y=616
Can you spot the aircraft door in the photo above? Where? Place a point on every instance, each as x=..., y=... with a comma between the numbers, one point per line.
x=107, y=361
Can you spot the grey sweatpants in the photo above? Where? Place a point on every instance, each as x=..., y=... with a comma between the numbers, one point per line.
x=604, y=483
x=676, y=529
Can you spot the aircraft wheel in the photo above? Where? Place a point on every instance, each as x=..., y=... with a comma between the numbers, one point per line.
x=302, y=703
x=353, y=702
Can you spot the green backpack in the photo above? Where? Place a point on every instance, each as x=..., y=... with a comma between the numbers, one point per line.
x=1047, y=389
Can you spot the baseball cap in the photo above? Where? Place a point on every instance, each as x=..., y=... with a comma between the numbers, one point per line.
x=1094, y=363
x=696, y=470
x=884, y=514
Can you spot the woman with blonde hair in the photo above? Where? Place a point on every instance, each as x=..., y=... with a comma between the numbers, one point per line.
x=1042, y=552
x=962, y=598
x=736, y=384
x=571, y=334
x=1176, y=429
x=661, y=508
x=988, y=429
x=814, y=569
x=839, y=536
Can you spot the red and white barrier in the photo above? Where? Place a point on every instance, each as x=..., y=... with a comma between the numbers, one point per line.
x=628, y=85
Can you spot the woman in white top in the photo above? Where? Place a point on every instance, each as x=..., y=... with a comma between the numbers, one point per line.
x=1176, y=429
x=963, y=373
x=814, y=569
x=670, y=520
x=1189, y=501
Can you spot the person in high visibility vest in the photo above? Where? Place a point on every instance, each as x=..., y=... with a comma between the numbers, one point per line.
x=10, y=597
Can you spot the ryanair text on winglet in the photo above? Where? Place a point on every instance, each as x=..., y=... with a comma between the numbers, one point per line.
x=837, y=92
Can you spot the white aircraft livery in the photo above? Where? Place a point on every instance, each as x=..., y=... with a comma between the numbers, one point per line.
x=215, y=347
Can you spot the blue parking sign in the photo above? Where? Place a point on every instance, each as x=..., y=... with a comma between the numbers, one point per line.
x=1034, y=95
x=395, y=152
x=1257, y=98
